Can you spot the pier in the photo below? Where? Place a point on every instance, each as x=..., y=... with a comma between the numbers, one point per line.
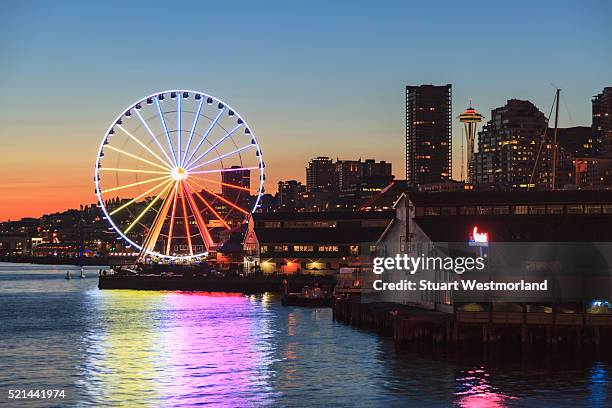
x=409, y=325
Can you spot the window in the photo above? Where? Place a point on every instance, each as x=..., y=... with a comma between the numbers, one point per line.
x=281, y=248
x=592, y=209
x=501, y=210
x=272, y=224
x=328, y=248
x=521, y=209
x=484, y=210
x=432, y=211
x=554, y=209
x=607, y=208
x=303, y=248
x=449, y=211
x=354, y=249
x=467, y=211
x=264, y=249
x=574, y=209
x=537, y=209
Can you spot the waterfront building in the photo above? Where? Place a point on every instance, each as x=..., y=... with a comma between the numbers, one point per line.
x=602, y=122
x=536, y=233
x=335, y=242
x=428, y=133
x=14, y=243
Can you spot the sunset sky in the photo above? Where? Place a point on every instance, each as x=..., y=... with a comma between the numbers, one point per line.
x=312, y=78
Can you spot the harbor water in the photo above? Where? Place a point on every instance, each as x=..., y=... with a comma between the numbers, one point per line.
x=150, y=348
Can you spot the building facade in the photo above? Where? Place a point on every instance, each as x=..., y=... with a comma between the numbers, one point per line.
x=507, y=148
x=602, y=122
x=290, y=195
x=320, y=175
x=428, y=133
x=313, y=243
x=232, y=179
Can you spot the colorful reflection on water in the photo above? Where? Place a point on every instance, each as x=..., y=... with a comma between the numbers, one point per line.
x=180, y=348
x=138, y=348
x=475, y=391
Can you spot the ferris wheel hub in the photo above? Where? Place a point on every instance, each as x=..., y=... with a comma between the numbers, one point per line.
x=179, y=173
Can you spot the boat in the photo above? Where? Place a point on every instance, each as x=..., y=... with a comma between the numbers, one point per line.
x=68, y=275
x=308, y=297
x=82, y=273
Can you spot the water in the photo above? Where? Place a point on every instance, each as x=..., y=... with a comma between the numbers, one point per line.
x=133, y=348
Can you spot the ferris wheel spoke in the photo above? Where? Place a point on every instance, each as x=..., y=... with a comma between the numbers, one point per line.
x=147, y=208
x=168, y=245
x=158, y=222
x=193, y=126
x=211, y=209
x=163, y=121
x=152, y=135
x=208, y=242
x=217, y=143
x=132, y=184
x=179, y=97
x=225, y=184
x=186, y=219
x=137, y=158
x=168, y=165
x=132, y=201
x=223, y=156
x=223, y=170
x=221, y=198
x=132, y=170
x=210, y=128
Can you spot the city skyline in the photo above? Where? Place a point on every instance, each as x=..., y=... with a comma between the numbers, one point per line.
x=309, y=89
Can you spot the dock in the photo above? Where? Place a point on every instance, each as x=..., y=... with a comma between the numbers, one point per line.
x=409, y=325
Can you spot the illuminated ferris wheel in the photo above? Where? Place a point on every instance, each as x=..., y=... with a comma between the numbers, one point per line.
x=176, y=170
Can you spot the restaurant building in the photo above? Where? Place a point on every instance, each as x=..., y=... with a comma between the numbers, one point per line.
x=313, y=242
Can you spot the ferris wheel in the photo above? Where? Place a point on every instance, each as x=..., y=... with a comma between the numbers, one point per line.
x=176, y=171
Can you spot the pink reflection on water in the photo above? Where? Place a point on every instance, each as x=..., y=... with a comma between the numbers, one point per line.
x=212, y=349
x=476, y=392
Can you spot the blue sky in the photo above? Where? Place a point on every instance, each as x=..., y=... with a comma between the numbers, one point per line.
x=312, y=78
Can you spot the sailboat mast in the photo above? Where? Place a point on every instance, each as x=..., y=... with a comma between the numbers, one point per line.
x=555, y=149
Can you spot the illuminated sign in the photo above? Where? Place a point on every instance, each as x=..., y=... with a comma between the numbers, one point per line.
x=479, y=238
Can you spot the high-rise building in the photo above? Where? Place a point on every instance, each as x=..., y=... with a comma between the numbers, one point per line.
x=232, y=180
x=372, y=168
x=320, y=175
x=602, y=123
x=348, y=173
x=507, y=148
x=428, y=133
x=290, y=194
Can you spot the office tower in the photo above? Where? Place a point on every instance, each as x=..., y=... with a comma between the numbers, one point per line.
x=602, y=123
x=320, y=175
x=470, y=119
x=428, y=133
x=507, y=148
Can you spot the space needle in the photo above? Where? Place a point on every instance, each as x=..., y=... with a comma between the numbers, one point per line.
x=470, y=119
